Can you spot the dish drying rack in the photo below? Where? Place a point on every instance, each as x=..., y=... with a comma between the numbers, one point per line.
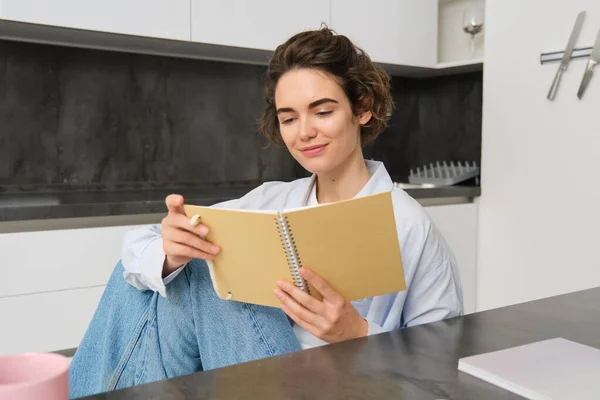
x=444, y=174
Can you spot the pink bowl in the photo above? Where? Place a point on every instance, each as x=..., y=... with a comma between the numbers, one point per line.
x=33, y=376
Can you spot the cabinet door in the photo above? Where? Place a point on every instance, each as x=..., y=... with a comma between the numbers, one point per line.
x=402, y=32
x=47, y=321
x=57, y=286
x=458, y=224
x=257, y=24
x=168, y=19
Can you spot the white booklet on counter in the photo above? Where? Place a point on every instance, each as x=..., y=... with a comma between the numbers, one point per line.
x=554, y=369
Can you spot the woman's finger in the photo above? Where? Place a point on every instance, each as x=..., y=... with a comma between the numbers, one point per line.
x=181, y=250
x=299, y=310
x=322, y=287
x=183, y=222
x=310, y=328
x=189, y=239
x=301, y=296
x=174, y=204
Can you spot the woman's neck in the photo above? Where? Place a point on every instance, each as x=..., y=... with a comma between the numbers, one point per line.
x=344, y=182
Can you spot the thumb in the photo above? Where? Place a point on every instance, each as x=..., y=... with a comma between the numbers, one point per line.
x=175, y=204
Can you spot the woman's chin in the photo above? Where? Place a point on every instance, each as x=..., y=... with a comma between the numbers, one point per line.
x=316, y=165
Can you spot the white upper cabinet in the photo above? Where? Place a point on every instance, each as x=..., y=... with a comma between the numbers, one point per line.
x=167, y=19
x=395, y=32
x=402, y=32
x=256, y=24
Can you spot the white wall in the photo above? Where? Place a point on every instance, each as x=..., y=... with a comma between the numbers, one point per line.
x=539, y=222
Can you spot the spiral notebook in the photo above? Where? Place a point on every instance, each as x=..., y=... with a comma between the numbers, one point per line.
x=352, y=244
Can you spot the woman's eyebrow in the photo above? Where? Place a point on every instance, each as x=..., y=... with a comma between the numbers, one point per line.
x=317, y=103
x=314, y=104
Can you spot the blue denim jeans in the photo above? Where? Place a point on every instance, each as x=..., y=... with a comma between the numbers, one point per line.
x=138, y=337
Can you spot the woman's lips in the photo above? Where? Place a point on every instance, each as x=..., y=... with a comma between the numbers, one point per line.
x=313, y=150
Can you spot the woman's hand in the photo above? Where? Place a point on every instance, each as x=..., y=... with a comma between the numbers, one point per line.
x=181, y=240
x=333, y=319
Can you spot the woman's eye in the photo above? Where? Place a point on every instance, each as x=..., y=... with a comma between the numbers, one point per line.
x=324, y=113
x=287, y=121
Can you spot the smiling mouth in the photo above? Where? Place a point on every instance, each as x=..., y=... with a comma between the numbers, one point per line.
x=313, y=147
x=313, y=150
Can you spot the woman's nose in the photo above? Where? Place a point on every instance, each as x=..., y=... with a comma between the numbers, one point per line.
x=307, y=129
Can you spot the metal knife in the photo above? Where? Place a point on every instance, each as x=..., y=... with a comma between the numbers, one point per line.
x=589, y=71
x=567, y=55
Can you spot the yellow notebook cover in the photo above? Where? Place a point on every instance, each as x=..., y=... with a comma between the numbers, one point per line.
x=352, y=244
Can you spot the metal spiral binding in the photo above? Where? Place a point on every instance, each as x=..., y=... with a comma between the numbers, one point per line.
x=291, y=252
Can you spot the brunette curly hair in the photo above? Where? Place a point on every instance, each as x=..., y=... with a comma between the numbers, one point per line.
x=366, y=85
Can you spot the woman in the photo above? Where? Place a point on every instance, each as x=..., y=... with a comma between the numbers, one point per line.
x=325, y=99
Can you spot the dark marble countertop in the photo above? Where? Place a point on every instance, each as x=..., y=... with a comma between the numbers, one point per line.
x=76, y=203
x=412, y=363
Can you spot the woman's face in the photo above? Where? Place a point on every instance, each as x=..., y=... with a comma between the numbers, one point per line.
x=316, y=120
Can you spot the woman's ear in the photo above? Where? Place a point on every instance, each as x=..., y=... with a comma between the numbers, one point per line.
x=365, y=116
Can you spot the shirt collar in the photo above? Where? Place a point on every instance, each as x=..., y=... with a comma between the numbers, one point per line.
x=380, y=181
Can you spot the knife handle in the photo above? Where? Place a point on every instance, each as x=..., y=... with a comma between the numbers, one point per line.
x=555, y=83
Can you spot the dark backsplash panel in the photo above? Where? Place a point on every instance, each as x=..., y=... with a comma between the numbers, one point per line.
x=436, y=119
x=78, y=118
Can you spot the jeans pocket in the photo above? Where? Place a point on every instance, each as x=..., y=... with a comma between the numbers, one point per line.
x=131, y=370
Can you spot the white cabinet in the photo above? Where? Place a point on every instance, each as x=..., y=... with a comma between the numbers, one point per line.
x=168, y=19
x=51, y=284
x=257, y=24
x=402, y=32
x=47, y=321
x=458, y=225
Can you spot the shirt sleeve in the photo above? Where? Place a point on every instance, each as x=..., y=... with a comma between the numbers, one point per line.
x=143, y=259
x=435, y=292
